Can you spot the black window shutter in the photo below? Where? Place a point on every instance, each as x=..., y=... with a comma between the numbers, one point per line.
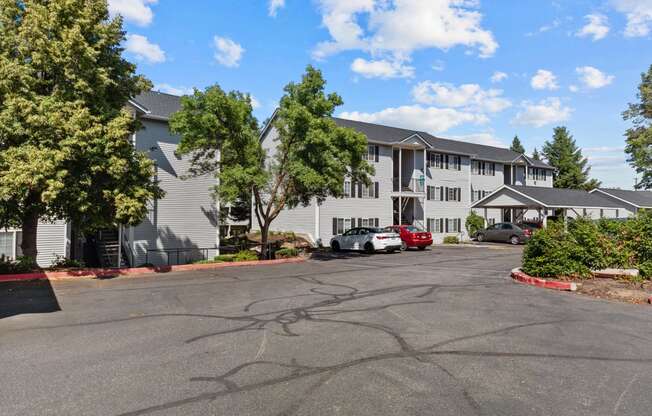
x=376, y=186
x=459, y=225
x=376, y=222
x=441, y=225
x=446, y=193
x=352, y=222
x=459, y=194
x=334, y=226
x=359, y=222
x=446, y=161
x=360, y=190
x=376, y=153
x=428, y=163
x=428, y=224
x=441, y=193
x=459, y=162
x=446, y=223
x=353, y=185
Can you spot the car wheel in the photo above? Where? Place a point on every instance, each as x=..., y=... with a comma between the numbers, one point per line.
x=335, y=246
x=480, y=238
x=369, y=248
x=422, y=248
x=514, y=240
x=404, y=246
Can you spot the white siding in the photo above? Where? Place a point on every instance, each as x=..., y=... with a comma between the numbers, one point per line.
x=51, y=241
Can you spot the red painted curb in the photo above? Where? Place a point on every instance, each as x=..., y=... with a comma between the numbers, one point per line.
x=137, y=271
x=519, y=276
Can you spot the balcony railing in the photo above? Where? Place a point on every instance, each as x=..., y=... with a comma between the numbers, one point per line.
x=412, y=185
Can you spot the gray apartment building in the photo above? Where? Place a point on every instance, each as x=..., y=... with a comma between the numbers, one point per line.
x=182, y=226
x=421, y=180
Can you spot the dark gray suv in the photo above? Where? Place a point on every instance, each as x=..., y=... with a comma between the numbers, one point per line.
x=504, y=232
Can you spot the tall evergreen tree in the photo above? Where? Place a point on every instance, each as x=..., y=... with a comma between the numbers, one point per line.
x=65, y=148
x=639, y=137
x=536, y=155
x=517, y=146
x=564, y=155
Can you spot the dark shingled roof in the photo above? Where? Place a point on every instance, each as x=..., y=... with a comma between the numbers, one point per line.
x=642, y=199
x=159, y=105
x=162, y=106
x=561, y=197
x=386, y=134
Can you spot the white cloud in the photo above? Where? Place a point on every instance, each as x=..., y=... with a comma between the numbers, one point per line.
x=481, y=138
x=594, y=78
x=415, y=117
x=228, y=52
x=471, y=97
x=144, y=50
x=274, y=6
x=544, y=80
x=170, y=89
x=639, y=16
x=382, y=69
x=597, y=26
x=439, y=65
x=401, y=27
x=254, y=102
x=498, y=77
x=135, y=11
x=573, y=88
x=604, y=149
x=547, y=111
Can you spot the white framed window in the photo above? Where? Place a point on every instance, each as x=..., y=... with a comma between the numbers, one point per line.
x=453, y=225
x=455, y=162
x=342, y=225
x=435, y=225
x=368, y=222
x=491, y=221
x=372, y=153
x=475, y=167
x=436, y=160
x=347, y=189
x=369, y=191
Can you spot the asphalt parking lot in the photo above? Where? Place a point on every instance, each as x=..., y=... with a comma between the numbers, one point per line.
x=441, y=332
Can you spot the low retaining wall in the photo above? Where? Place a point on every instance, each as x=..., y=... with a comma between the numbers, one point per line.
x=137, y=271
x=521, y=277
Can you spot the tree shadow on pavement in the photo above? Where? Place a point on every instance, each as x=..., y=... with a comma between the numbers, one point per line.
x=17, y=298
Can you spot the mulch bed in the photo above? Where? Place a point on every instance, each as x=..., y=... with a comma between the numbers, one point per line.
x=620, y=290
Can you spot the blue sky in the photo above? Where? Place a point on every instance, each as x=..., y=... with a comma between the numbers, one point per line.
x=471, y=70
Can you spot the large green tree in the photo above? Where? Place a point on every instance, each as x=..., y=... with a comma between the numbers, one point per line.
x=310, y=161
x=639, y=137
x=535, y=154
x=517, y=146
x=65, y=148
x=572, y=168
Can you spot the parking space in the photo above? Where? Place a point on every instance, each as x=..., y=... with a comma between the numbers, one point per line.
x=436, y=332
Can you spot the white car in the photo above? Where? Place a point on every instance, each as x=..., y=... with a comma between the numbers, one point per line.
x=367, y=239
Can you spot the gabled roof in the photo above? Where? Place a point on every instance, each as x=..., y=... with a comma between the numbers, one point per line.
x=390, y=135
x=555, y=197
x=640, y=199
x=157, y=105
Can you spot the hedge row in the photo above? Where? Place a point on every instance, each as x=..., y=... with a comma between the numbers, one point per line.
x=590, y=245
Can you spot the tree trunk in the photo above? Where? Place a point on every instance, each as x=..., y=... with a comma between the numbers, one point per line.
x=29, y=229
x=264, y=236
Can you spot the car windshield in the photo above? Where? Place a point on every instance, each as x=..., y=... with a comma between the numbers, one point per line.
x=379, y=230
x=413, y=229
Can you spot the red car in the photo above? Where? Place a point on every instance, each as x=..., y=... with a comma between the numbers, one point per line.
x=411, y=236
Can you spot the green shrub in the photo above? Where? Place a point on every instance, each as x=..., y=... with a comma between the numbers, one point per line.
x=553, y=253
x=451, y=239
x=474, y=223
x=20, y=265
x=286, y=253
x=223, y=258
x=61, y=262
x=245, y=255
x=591, y=244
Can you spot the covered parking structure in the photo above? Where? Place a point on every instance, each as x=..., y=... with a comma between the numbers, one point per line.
x=529, y=203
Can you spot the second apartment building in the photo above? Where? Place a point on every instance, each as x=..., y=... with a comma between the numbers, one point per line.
x=420, y=180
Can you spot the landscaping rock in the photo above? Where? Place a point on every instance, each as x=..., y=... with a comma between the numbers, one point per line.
x=616, y=273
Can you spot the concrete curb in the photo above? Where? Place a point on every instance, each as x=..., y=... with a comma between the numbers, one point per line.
x=521, y=277
x=138, y=271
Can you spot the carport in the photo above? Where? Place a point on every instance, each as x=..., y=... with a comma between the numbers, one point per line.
x=524, y=200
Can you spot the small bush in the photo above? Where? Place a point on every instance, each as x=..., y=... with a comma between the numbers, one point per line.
x=286, y=253
x=20, y=265
x=61, y=262
x=223, y=258
x=553, y=253
x=245, y=255
x=451, y=239
x=474, y=223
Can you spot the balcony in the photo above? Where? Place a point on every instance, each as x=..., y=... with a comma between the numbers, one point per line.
x=414, y=185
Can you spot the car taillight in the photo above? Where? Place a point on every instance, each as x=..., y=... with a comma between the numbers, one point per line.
x=381, y=237
x=527, y=232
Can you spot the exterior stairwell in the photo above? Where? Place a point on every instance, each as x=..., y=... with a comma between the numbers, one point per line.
x=108, y=246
